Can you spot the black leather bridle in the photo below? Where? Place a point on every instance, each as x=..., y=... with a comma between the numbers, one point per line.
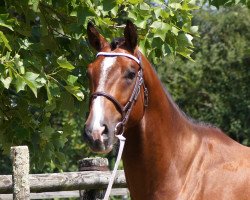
x=125, y=110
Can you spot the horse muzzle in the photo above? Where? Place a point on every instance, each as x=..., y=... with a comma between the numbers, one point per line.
x=99, y=140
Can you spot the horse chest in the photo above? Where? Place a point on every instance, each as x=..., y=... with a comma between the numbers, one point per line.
x=147, y=185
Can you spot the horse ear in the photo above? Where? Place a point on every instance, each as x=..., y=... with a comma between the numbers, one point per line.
x=96, y=40
x=130, y=35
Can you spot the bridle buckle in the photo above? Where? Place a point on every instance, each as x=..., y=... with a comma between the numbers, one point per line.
x=119, y=129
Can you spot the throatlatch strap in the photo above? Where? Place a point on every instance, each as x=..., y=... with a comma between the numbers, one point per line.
x=112, y=178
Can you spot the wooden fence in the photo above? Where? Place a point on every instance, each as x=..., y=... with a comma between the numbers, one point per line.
x=91, y=180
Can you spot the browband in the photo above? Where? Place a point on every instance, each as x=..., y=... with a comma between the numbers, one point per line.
x=119, y=54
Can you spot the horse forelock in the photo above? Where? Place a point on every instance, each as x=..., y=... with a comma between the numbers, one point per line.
x=117, y=42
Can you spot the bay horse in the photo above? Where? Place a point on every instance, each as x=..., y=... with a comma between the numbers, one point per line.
x=167, y=156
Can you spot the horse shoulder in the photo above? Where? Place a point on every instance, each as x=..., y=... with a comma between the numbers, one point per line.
x=225, y=169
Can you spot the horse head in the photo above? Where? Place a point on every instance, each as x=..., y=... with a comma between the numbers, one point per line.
x=116, y=79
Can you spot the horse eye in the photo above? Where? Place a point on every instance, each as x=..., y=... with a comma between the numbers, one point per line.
x=130, y=75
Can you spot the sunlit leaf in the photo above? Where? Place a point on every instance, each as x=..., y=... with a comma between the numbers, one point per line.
x=3, y=20
x=144, y=6
x=175, y=30
x=64, y=63
x=5, y=40
x=135, y=1
x=6, y=82
x=75, y=90
x=194, y=29
x=34, y=4
x=72, y=79
x=20, y=83
x=175, y=5
x=30, y=80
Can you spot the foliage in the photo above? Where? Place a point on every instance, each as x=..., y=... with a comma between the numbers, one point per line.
x=219, y=3
x=43, y=57
x=215, y=88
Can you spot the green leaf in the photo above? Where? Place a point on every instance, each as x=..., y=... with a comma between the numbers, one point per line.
x=64, y=63
x=165, y=14
x=144, y=6
x=25, y=44
x=188, y=6
x=194, y=29
x=176, y=6
x=141, y=23
x=50, y=106
x=3, y=20
x=80, y=95
x=184, y=40
x=6, y=82
x=184, y=51
x=161, y=25
x=31, y=76
x=135, y=1
x=41, y=80
x=46, y=132
x=19, y=64
x=34, y=4
x=30, y=80
x=160, y=29
x=175, y=31
x=132, y=15
x=75, y=90
x=20, y=83
x=166, y=50
x=114, y=11
x=54, y=89
x=72, y=79
x=157, y=12
x=60, y=156
x=5, y=41
x=156, y=24
x=110, y=5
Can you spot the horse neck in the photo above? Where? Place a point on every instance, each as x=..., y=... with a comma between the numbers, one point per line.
x=163, y=122
x=153, y=144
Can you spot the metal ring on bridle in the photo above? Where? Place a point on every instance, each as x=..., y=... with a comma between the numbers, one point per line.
x=119, y=128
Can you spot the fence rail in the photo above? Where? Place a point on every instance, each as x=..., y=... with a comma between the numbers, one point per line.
x=21, y=183
x=66, y=181
x=64, y=194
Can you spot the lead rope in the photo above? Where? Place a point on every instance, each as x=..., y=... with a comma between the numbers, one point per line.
x=122, y=140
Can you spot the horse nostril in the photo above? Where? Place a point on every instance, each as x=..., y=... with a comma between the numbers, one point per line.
x=105, y=131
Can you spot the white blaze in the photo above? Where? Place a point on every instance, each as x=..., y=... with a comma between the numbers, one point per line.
x=98, y=111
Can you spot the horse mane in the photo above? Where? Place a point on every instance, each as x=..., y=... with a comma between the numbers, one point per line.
x=185, y=115
x=179, y=110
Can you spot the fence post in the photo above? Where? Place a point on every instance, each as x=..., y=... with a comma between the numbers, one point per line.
x=93, y=164
x=20, y=163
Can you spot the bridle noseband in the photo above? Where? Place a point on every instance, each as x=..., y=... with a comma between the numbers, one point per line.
x=125, y=110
